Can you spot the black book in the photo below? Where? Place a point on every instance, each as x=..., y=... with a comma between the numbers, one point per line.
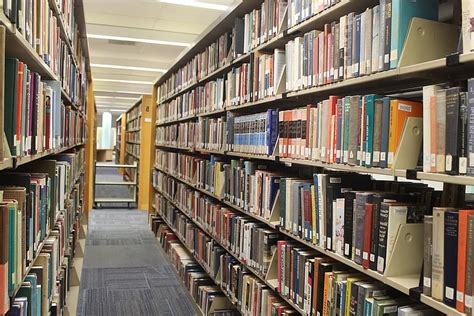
x=451, y=220
x=238, y=37
x=453, y=135
x=349, y=199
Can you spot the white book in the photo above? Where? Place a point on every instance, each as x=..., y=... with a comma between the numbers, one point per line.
x=467, y=34
x=363, y=30
x=368, y=41
x=428, y=93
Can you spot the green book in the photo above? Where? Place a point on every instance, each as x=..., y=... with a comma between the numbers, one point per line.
x=26, y=290
x=369, y=130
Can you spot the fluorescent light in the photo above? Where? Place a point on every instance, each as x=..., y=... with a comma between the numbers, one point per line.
x=116, y=110
x=128, y=68
x=115, y=98
x=124, y=81
x=197, y=4
x=123, y=92
x=105, y=104
x=138, y=40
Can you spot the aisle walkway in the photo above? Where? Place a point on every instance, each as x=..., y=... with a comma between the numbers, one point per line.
x=125, y=271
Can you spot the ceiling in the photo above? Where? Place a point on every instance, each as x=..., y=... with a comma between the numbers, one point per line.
x=147, y=34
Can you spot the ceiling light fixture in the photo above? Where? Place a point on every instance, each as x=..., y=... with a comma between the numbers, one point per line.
x=115, y=98
x=106, y=104
x=128, y=68
x=124, y=81
x=123, y=92
x=197, y=4
x=138, y=40
x=116, y=110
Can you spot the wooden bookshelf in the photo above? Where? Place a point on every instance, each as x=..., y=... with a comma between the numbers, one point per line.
x=139, y=131
x=406, y=77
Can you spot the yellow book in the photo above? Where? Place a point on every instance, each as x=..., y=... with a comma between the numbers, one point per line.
x=347, y=308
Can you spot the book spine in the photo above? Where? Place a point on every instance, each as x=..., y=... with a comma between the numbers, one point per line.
x=470, y=127
x=451, y=220
x=388, y=34
x=383, y=231
x=469, y=265
x=385, y=132
x=437, y=272
x=427, y=254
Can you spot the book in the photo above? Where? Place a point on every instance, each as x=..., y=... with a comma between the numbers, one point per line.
x=427, y=254
x=451, y=235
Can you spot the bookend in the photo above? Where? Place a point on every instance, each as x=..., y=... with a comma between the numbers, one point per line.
x=406, y=156
x=6, y=149
x=422, y=43
x=275, y=212
x=272, y=274
x=284, y=23
x=407, y=254
x=281, y=86
x=220, y=302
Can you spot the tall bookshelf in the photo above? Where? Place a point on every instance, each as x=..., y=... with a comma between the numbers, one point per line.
x=139, y=147
x=67, y=67
x=179, y=94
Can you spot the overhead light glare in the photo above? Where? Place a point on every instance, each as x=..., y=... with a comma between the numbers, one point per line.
x=115, y=98
x=197, y=4
x=116, y=110
x=124, y=81
x=138, y=40
x=128, y=68
x=123, y=92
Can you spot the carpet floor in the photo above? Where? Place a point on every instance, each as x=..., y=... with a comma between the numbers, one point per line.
x=125, y=272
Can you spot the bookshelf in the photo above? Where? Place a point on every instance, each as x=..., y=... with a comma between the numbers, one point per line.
x=139, y=147
x=185, y=111
x=59, y=68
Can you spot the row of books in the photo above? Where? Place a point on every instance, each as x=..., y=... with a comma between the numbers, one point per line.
x=207, y=133
x=355, y=45
x=134, y=113
x=35, y=118
x=448, y=264
x=41, y=205
x=133, y=125
x=320, y=285
x=246, y=291
x=132, y=149
x=37, y=23
x=202, y=99
x=254, y=133
x=310, y=281
x=197, y=281
x=131, y=136
x=301, y=10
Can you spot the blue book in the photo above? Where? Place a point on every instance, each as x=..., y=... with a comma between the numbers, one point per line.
x=402, y=13
x=272, y=130
x=356, y=53
x=385, y=132
x=342, y=294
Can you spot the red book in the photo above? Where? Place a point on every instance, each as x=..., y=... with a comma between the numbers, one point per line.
x=369, y=207
x=462, y=252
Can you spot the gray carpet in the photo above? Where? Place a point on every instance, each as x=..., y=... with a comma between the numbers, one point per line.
x=125, y=272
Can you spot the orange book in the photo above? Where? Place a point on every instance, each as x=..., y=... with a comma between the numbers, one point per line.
x=400, y=110
x=462, y=249
x=327, y=277
x=434, y=133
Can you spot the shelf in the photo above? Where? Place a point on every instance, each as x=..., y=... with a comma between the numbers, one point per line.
x=27, y=159
x=114, y=200
x=133, y=130
x=183, y=119
x=38, y=251
x=131, y=142
x=329, y=15
x=133, y=155
x=440, y=306
x=7, y=163
x=220, y=199
x=212, y=113
x=114, y=183
x=266, y=100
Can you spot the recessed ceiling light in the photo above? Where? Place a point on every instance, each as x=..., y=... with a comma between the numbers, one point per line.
x=124, y=81
x=128, y=68
x=197, y=4
x=123, y=92
x=115, y=98
x=138, y=40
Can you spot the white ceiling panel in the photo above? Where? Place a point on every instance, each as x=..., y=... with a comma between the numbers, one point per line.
x=134, y=22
